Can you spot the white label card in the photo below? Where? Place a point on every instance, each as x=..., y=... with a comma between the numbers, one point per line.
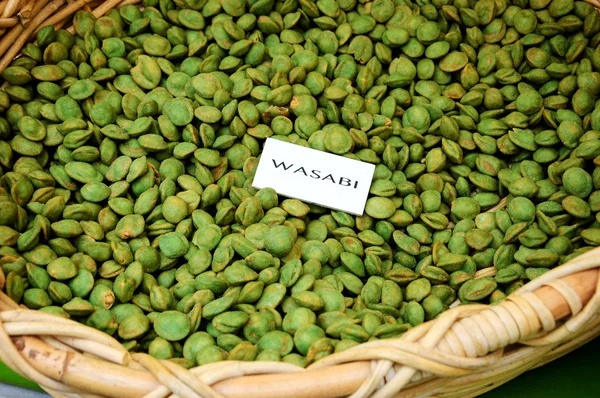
x=313, y=176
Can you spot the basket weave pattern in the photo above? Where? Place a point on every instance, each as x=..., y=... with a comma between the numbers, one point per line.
x=464, y=352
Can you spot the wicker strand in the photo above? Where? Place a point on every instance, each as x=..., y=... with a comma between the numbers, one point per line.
x=63, y=13
x=55, y=329
x=385, y=370
x=523, y=324
x=541, y=310
x=532, y=319
x=479, y=340
x=380, y=370
x=588, y=314
x=165, y=377
x=568, y=293
x=26, y=12
x=188, y=378
x=11, y=8
x=51, y=341
x=214, y=373
x=11, y=357
x=39, y=4
x=595, y=3
x=430, y=340
x=97, y=349
x=9, y=38
x=23, y=37
x=8, y=22
x=3, y=6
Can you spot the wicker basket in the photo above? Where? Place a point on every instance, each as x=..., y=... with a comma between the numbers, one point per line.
x=463, y=353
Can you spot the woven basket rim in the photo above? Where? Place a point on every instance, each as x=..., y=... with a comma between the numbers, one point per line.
x=464, y=352
x=65, y=357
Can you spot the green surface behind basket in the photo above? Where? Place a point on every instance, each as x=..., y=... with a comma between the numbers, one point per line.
x=8, y=376
x=574, y=375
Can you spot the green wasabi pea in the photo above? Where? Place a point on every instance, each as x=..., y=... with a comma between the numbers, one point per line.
x=133, y=326
x=104, y=320
x=172, y=325
x=278, y=341
x=210, y=354
x=62, y=268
